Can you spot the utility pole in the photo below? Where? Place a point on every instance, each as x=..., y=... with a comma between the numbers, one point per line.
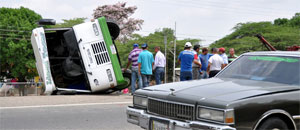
x=174, y=59
x=165, y=40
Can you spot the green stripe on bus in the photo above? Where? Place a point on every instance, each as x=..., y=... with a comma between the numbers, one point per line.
x=113, y=57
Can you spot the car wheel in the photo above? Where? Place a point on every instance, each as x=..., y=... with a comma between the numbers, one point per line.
x=273, y=123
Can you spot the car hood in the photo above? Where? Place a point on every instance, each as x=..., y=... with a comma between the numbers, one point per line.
x=223, y=90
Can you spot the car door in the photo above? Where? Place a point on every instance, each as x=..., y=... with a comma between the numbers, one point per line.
x=38, y=41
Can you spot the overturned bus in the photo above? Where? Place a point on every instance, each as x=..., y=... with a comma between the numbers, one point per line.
x=83, y=58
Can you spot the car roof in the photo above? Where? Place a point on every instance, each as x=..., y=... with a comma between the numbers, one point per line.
x=276, y=53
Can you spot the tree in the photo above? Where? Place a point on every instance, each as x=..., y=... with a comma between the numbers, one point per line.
x=280, y=21
x=120, y=14
x=284, y=32
x=69, y=23
x=16, y=53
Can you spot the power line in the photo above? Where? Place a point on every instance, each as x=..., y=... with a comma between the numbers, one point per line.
x=185, y=34
x=11, y=30
x=240, y=11
x=242, y=7
x=24, y=27
x=15, y=38
x=8, y=35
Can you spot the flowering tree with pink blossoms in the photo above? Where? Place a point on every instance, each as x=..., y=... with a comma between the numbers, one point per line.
x=120, y=14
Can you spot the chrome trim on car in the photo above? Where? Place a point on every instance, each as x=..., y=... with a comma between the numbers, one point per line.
x=213, y=108
x=141, y=118
x=170, y=115
x=271, y=112
x=171, y=101
x=296, y=117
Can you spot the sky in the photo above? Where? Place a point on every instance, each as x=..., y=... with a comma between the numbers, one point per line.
x=208, y=20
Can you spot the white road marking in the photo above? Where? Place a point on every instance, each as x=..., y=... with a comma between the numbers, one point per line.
x=66, y=105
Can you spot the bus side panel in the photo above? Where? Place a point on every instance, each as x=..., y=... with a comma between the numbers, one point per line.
x=39, y=45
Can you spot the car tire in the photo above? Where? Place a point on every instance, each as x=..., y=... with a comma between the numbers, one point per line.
x=273, y=123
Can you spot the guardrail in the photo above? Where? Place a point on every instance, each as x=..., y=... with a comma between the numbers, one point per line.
x=21, y=89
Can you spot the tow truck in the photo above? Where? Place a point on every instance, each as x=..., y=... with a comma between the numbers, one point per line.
x=272, y=48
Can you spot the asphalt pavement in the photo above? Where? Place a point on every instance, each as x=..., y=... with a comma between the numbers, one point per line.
x=75, y=112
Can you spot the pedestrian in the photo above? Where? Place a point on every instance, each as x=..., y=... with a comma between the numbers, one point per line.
x=13, y=86
x=145, y=63
x=186, y=58
x=215, y=63
x=204, y=61
x=135, y=75
x=223, y=55
x=231, y=56
x=196, y=67
x=159, y=65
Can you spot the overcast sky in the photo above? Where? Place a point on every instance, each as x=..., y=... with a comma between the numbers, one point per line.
x=208, y=20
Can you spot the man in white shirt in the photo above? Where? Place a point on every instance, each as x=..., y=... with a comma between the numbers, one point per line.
x=159, y=65
x=215, y=63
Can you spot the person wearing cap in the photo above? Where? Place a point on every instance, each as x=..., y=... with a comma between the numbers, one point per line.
x=133, y=59
x=215, y=63
x=145, y=63
x=186, y=58
x=223, y=55
x=196, y=67
x=159, y=65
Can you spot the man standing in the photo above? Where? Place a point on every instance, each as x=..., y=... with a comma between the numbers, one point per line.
x=185, y=59
x=204, y=61
x=223, y=55
x=232, y=56
x=145, y=62
x=133, y=58
x=215, y=63
x=196, y=67
x=159, y=65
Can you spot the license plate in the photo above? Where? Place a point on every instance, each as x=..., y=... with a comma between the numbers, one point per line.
x=156, y=125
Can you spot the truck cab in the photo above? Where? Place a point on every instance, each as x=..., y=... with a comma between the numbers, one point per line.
x=78, y=59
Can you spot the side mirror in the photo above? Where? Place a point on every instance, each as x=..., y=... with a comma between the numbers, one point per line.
x=113, y=28
x=47, y=22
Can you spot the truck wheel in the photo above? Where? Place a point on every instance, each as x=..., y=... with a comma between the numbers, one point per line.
x=127, y=78
x=273, y=123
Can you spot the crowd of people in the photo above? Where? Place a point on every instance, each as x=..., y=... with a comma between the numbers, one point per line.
x=193, y=64
x=205, y=65
x=143, y=64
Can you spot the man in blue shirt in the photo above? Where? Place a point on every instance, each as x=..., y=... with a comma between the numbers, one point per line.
x=204, y=61
x=145, y=63
x=186, y=58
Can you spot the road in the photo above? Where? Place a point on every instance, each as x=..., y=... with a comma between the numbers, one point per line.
x=81, y=112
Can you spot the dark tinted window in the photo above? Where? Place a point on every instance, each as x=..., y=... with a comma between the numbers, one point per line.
x=265, y=68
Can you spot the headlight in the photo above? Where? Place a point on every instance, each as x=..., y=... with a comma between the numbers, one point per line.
x=140, y=101
x=222, y=116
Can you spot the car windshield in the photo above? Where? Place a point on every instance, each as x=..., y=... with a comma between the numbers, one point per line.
x=277, y=69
